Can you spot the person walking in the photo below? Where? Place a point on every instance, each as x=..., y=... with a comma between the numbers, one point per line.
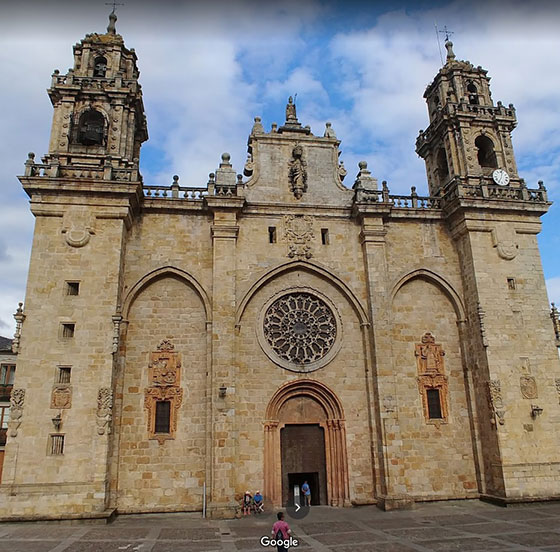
x=281, y=532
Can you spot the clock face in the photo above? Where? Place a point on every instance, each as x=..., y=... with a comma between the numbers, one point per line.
x=500, y=177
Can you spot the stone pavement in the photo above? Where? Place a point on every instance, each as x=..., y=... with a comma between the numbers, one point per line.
x=463, y=526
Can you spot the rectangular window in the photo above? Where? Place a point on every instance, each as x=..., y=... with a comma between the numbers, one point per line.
x=7, y=374
x=272, y=234
x=72, y=288
x=325, y=236
x=511, y=283
x=434, y=404
x=4, y=416
x=67, y=331
x=56, y=445
x=163, y=411
x=63, y=374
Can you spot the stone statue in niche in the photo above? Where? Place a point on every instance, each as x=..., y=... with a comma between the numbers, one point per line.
x=298, y=172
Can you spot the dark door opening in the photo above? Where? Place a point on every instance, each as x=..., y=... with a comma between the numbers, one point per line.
x=299, y=479
x=303, y=458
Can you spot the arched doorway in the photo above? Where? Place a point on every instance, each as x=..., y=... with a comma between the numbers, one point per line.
x=306, y=415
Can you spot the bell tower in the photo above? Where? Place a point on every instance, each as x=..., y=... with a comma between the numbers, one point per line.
x=98, y=119
x=468, y=140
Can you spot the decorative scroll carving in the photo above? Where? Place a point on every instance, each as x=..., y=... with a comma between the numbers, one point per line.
x=77, y=228
x=496, y=402
x=528, y=386
x=61, y=397
x=300, y=328
x=481, y=314
x=431, y=374
x=17, y=399
x=557, y=384
x=298, y=231
x=164, y=376
x=104, y=410
x=298, y=172
x=20, y=317
x=505, y=244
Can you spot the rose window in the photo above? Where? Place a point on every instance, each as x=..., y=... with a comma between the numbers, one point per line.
x=300, y=328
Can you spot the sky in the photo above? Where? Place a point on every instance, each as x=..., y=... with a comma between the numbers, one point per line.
x=208, y=68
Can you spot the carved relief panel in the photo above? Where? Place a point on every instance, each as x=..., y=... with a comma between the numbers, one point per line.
x=298, y=232
x=163, y=396
x=61, y=396
x=432, y=381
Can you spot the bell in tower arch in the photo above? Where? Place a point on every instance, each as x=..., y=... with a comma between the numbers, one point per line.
x=91, y=128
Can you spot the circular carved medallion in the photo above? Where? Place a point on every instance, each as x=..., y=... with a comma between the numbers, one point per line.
x=300, y=330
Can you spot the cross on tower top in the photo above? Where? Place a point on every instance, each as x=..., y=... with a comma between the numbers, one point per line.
x=114, y=4
x=447, y=33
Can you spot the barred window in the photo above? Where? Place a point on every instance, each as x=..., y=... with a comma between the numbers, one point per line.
x=7, y=374
x=163, y=415
x=56, y=445
x=67, y=330
x=63, y=374
x=72, y=288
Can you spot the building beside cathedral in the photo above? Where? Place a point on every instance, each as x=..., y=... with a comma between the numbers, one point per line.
x=181, y=345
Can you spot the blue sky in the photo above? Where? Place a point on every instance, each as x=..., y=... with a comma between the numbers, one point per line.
x=207, y=68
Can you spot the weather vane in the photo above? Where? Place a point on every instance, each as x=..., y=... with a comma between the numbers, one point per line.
x=114, y=4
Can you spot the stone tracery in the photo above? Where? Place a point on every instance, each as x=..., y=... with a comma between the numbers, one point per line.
x=300, y=328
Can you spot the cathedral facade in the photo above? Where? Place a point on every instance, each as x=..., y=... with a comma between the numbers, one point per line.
x=181, y=345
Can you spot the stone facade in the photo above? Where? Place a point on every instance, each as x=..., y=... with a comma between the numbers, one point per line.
x=175, y=338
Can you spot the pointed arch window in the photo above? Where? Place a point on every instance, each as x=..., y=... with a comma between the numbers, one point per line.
x=100, y=66
x=486, y=154
x=91, y=128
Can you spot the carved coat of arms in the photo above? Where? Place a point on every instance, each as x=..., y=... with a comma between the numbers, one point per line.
x=298, y=231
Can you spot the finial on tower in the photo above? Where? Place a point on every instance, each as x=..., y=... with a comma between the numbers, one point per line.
x=450, y=53
x=111, y=29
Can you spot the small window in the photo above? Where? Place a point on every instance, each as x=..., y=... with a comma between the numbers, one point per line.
x=4, y=417
x=56, y=445
x=434, y=404
x=163, y=412
x=272, y=234
x=72, y=288
x=100, y=66
x=7, y=374
x=325, y=236
x=67, y=330
x=511, y=283
x=63, y=374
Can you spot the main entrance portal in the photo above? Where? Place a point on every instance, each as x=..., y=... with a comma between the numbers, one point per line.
x=303, y=459
x=305, y=440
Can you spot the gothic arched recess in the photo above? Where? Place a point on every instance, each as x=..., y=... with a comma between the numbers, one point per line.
x=163, y=363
